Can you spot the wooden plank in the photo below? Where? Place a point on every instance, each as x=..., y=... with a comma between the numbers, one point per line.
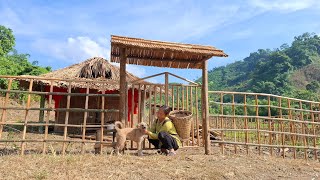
x=46, y=130
x=150, y=110
x=205, y=107
x=4, y=110
x=66, y=121
x=26, y=118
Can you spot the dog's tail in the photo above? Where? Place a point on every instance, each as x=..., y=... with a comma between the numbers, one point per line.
x=118, y=125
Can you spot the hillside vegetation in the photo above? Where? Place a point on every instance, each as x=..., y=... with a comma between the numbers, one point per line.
x=14, y=63
x=291, y=70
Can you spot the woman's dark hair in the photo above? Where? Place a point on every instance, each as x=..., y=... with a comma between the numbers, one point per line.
x=166, y=109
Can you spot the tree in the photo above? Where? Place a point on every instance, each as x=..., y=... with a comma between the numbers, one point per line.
x=7, y=40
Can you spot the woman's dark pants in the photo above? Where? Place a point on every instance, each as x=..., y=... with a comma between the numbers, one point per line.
x=167, y=141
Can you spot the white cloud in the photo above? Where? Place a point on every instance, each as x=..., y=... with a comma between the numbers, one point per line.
x=73, y=49
x=285, y=5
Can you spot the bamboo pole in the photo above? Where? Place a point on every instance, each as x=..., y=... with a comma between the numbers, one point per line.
x=66, y=121
x=246, y=122
x=26, y=118
x=166, y=89
x=269, y=124
x=46, y=130
x=4, y=110
x=197, y=117
x=187, y=108
x=234, y=122
x=178, y=97
x=303, y=131
x=42, y=105
x=205, y=107
x=102, y=118
x=291, y=129
x=182, y=96
x=144, y=108
x=314, y=133
x=172, y=92
x=85, y=115
x=258, y=123
x=160, y=93
x=150, y=113
x=221, y=123
x=123, y=87
x=282, y=128
x=132, y=105
x=191, y=109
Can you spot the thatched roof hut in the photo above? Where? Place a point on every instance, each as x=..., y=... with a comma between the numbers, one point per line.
x=99, y=76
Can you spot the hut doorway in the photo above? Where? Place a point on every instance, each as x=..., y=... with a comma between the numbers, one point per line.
x=150, y=97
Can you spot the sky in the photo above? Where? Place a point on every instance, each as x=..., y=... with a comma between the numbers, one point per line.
x=62, y=33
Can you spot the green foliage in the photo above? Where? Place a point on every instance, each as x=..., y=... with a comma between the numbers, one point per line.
x=7, y=40
x=271, y=71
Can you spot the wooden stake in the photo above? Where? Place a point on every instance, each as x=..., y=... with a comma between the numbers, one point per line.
x=191, y=109
x=269, y=125
x=292, y=129
x=282, y=128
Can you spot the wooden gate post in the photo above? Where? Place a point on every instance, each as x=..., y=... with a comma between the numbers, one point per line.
x=123, y=87
x=205, y=107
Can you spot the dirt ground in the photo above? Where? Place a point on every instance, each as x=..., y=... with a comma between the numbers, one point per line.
x=190, y=163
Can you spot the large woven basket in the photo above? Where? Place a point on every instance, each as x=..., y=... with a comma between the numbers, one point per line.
x=182, y=121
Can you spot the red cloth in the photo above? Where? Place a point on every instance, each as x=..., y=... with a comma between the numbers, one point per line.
x=57, y=98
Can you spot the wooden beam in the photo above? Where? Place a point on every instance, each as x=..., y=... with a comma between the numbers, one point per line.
x=123, y=88
x=205, y=107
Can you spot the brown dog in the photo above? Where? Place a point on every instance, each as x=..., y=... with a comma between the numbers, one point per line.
x=134, y=134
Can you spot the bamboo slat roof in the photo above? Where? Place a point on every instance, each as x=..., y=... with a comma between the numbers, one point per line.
x=96, y=71
x=162, y=54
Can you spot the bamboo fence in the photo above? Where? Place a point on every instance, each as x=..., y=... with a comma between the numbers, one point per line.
x=265, y=123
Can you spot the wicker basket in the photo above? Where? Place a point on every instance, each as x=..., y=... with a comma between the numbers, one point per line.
x=182, y=121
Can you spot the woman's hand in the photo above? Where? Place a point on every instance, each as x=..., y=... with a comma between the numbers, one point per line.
x=146, y=132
